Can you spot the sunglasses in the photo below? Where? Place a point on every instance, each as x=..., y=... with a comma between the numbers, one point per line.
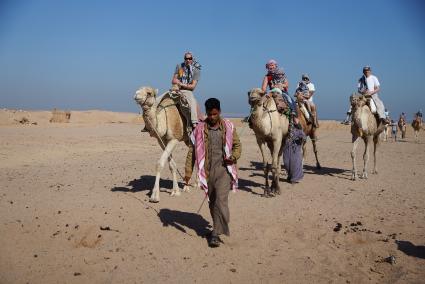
x=188, y=58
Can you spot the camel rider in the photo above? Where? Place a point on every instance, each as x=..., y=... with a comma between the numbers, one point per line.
x=276, y=78
x=306, y=89
x=419, y=115
x=402, y=117
x=369, y=86
x=186, y=76
x=185, y=79
x=387, y=114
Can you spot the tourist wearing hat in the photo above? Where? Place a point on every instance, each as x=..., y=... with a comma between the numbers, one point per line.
x=276, y=78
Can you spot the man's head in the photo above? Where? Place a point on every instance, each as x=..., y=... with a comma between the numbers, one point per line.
x=213, y=110
x=271, y=64
x=188, y=58
x=367, y=71
x=305, y=77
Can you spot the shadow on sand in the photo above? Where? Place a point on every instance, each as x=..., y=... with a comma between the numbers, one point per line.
x=339, y=173
x=145, y=183
x=254, y=166
x=247, y=185
x=180, y=220
x=410, y=249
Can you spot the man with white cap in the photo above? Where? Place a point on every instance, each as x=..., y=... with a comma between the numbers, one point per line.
x=369, y=86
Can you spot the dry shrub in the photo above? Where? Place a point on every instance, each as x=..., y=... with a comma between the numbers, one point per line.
x=24, y=120
x=60, y=116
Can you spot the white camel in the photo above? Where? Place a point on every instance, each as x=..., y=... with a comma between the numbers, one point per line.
x=271, y=129
x=366, y=127
x=164, y=123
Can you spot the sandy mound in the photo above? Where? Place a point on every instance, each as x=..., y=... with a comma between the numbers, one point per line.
x=16, y=117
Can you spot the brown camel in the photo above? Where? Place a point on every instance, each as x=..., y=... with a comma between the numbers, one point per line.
x=164, y=122
x=364, y=126
x=309, y=130
x=270, y=128
x=417, y=125
x=402, y=126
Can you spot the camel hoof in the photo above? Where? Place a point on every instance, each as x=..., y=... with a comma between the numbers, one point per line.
x=153, y=200
x=267, y=193
x=186, y=188
x=354, y=177
x=364, y=176
x=375, y=172
x=175, y=192
x=318, y=166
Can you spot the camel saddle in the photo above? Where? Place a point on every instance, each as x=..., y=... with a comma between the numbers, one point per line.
x=281, y=104
x=183, y=107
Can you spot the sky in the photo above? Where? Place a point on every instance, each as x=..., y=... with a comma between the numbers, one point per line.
x=82, y=54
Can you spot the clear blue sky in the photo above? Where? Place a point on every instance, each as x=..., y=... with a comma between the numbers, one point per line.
x=94, y=54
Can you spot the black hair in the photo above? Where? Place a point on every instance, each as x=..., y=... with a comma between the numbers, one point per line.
x=212, y=103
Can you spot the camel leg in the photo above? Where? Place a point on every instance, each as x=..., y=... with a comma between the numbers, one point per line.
x=173, y=168
x=313, y=138
x=356, y=141
x=375, y=148
x=160, y=165
x=262, y=146
x=365, y=157
x=279, y=163
x=277, y=144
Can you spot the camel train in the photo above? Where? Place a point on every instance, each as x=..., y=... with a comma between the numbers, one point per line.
x=165, y=123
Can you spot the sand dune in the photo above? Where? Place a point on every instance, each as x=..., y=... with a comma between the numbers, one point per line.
x=74, y=209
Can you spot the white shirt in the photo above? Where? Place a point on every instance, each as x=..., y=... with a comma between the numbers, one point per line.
x=311, y=88
x=371, y=83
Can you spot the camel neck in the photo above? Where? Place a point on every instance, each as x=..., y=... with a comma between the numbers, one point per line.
x=149, y=115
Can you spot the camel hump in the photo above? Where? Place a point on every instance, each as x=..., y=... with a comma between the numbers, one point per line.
x=179, y=100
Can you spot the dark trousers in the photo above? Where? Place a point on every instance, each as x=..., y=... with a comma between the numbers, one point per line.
x=219, y=186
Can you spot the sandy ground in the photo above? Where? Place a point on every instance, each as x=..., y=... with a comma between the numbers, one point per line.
x=74, y=209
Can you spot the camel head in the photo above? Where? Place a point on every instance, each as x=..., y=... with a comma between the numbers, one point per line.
x=255, y=96
x=145, y=96
x=357, y=100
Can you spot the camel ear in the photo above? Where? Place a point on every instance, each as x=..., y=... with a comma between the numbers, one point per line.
x=155, y=92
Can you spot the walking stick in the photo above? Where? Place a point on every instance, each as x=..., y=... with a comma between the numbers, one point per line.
x=202, y=204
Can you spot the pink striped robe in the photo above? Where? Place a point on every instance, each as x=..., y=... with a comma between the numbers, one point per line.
x=197, y=138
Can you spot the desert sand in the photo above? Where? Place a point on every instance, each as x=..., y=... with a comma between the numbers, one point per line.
x=74, y=209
